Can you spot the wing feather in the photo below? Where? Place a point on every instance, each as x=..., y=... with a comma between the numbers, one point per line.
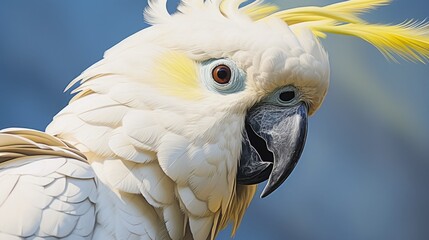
x=58, y=224
x=48, y=191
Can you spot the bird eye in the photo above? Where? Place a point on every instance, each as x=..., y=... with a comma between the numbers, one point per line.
x=287, y=96
x=222, y=74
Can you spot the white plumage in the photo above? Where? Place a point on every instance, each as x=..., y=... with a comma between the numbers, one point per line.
x=150, y=146
x=49, y=190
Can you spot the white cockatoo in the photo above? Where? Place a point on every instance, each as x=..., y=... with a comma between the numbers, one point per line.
x=170, y=132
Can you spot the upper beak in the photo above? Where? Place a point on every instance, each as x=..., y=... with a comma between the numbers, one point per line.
x=272, y=144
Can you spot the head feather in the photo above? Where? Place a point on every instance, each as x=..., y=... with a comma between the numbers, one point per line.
x=258, y=10
x=408, y=40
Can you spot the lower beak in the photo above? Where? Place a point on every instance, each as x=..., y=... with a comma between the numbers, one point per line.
x=272, y=144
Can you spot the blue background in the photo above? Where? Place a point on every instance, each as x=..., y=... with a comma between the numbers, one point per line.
x=364, y=173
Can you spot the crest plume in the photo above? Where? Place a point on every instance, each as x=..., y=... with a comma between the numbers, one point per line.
x=408, y=40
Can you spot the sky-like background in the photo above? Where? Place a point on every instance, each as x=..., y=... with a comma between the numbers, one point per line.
x=364, y=173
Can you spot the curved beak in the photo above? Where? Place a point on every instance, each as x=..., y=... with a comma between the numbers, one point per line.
x=273, y=141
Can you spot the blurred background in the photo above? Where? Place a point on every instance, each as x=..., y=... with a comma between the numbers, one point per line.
x=364, y=173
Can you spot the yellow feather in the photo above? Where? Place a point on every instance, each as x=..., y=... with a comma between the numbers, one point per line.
x=177, y=75
x=310, y=14
x=357, y=6
x=257, y=12
x=343, y=12
x=239, y=202
x=409, y=40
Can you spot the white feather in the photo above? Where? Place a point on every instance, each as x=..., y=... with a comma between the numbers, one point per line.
x=25, y=215
x=56, y=188
x=156, y=12
x=200, y=227
x=118, y=175
x=85, y=224
x=57, y=224
x=7, y=184
x=143, y=127
x=156, y=187
x=43, y=167
x=70, y=208
x=174, y=221
x=9, y=236
x=173, y=158
x=36, y=189
x=194, y=206
x=76, y=169
x=122, y=146
x=105, y=116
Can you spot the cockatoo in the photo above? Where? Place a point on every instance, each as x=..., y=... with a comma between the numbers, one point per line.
x=168, y=135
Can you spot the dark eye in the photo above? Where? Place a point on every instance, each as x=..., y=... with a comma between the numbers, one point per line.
x=287, y=96
x=222, y=74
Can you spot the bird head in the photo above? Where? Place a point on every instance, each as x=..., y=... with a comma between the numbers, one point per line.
x=217, y=96
x=254, y=80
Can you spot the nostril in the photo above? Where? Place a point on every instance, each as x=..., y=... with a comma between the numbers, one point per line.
x=287, y=96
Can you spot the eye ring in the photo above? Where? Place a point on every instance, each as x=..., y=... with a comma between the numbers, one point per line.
x=230, y=80
x=222, y=74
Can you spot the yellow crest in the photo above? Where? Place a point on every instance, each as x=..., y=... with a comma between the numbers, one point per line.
x=409, y=40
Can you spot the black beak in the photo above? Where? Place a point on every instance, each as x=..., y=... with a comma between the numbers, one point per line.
x=273, y=141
